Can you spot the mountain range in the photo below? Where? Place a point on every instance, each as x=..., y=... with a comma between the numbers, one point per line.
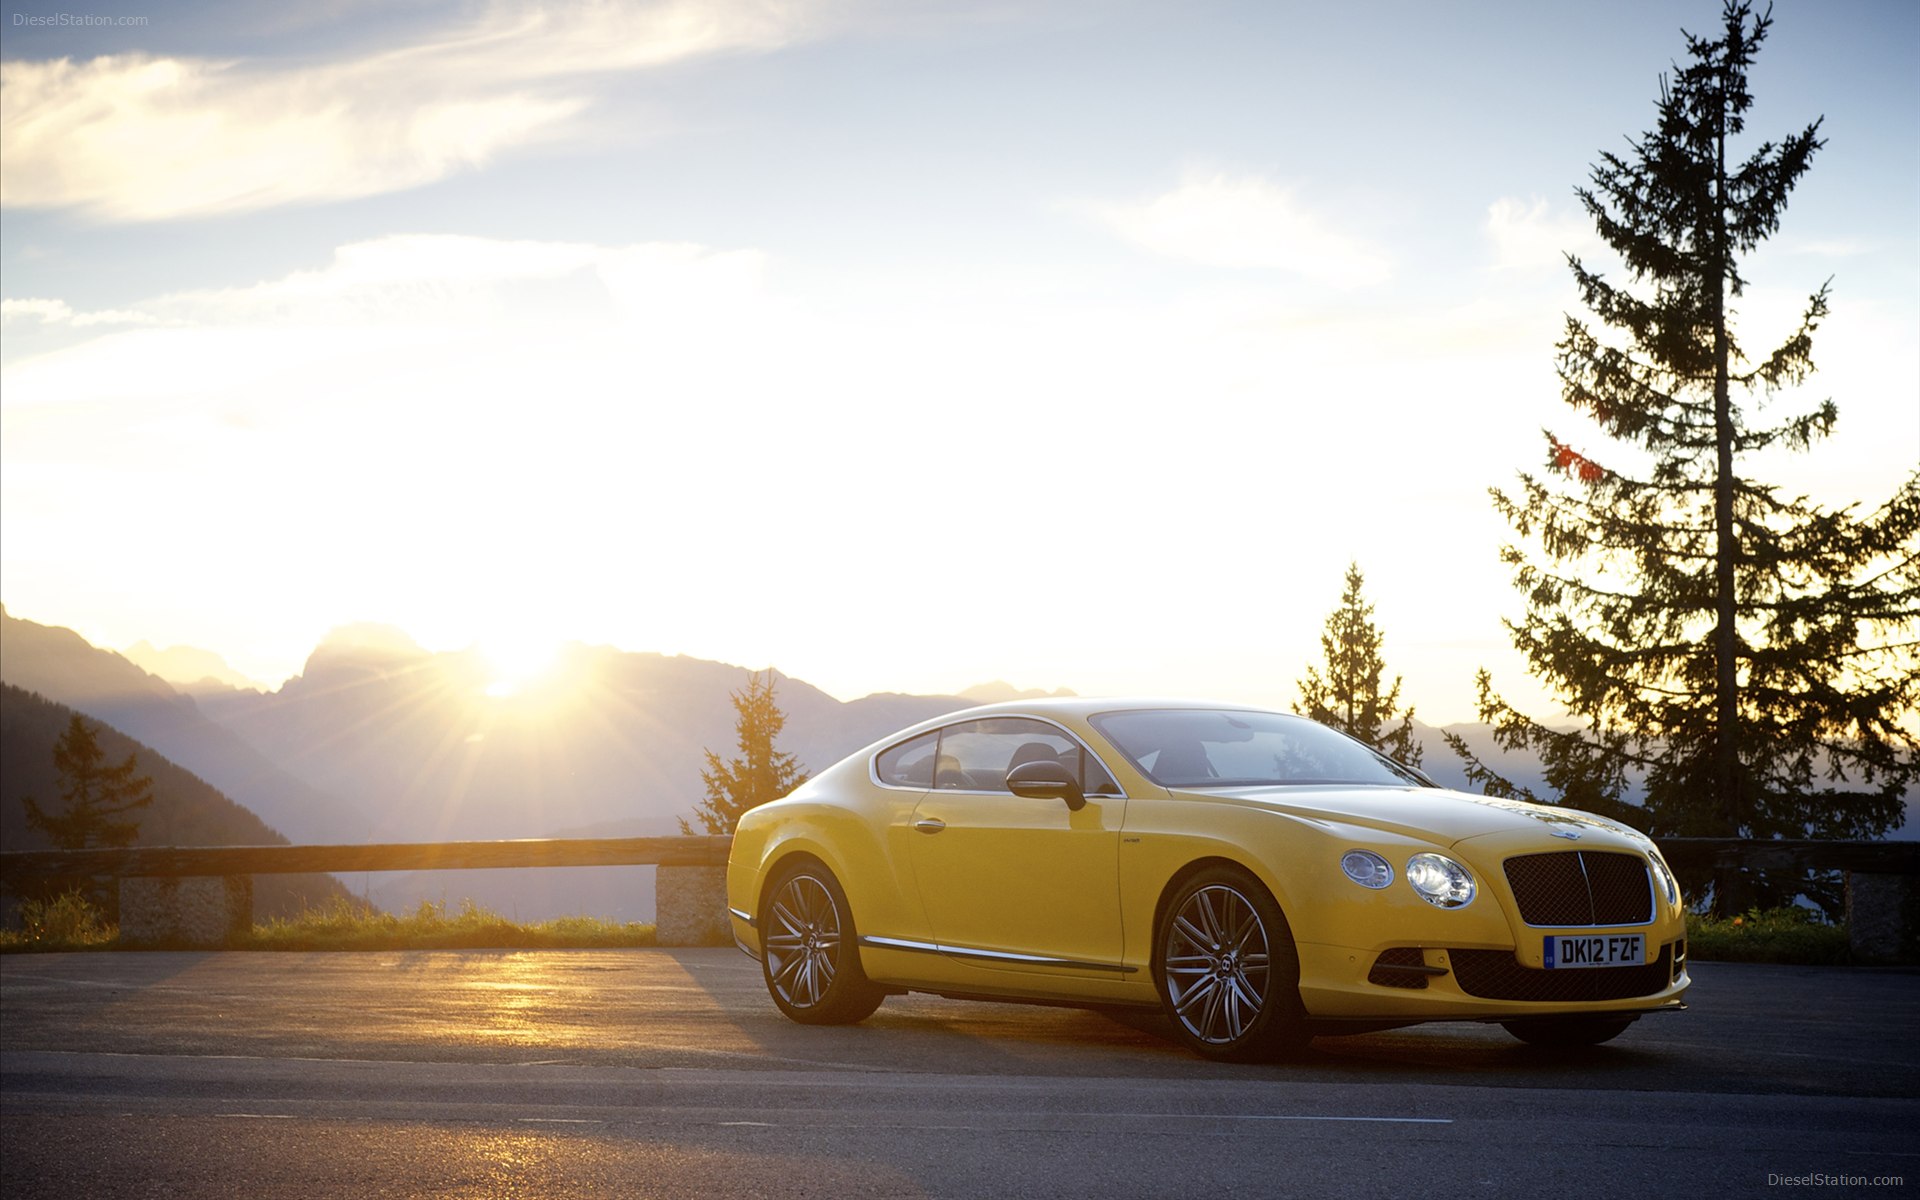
x=378, y=739
x=186, y=810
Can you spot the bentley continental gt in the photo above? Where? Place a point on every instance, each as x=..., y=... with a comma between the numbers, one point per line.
x=1260, y=877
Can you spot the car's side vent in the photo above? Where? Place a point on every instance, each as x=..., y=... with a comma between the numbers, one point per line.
x=1402, y=967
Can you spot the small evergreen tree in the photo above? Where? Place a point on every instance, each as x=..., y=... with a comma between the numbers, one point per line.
x=759, y=773
x=95, y=796
x=1348, y=696
x=96, y=799
x=1745, y=655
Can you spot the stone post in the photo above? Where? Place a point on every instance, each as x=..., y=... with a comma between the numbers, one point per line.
x=690, y=906
x=1883, y=917
x=197, y=911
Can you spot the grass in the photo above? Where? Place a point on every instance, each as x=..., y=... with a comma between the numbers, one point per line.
x=345, y=925
x=71, y=923
x=1774, y=935
x=67, y=922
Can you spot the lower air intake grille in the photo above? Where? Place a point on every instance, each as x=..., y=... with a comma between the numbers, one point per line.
x=1581, y=888
x=1404, y=967
x=1497, y=975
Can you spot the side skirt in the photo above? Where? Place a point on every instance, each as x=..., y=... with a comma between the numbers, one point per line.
x=996, y=956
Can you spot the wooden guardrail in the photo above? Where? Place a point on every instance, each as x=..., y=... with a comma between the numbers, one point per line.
x=182, y=861
x=203, y=895
x=171, y=880
x=1802, y=854
x=1880, y=858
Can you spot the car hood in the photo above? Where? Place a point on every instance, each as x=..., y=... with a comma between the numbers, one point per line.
x=1430, y=814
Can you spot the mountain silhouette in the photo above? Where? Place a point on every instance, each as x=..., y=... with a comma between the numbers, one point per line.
x=616, y=742
x=185, y=668
x=378, y=739
x=62, y=666
x=186, y=810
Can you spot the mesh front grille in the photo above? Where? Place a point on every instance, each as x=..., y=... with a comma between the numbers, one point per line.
x=1497, y=975
x=1621, y=892
x=1581, y=887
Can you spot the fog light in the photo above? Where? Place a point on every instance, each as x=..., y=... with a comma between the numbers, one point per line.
x=1366, y=868
x=1439, y=880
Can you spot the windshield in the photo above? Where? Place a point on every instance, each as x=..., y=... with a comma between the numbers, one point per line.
x=1206, y=748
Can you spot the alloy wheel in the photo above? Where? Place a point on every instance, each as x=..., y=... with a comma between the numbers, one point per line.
x=803, y=946
x=1218, y=965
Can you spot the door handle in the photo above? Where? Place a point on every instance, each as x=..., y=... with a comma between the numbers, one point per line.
x=929, y=824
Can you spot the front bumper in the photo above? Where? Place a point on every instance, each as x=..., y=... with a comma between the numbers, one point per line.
x=1446, y=983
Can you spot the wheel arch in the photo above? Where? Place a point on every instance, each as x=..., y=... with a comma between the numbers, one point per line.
x=779, y=861
x=1178, y=879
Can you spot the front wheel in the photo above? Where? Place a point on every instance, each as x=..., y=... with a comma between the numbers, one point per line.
x=1568, y=1031
x=1227, y=970
x=808, y=952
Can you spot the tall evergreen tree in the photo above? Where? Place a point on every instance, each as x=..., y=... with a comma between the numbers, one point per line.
x=95, y=796
x=1348, y=696
x=759, y=773
x=1748, y=656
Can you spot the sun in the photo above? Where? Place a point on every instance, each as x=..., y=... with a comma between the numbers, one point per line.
x=516, y=664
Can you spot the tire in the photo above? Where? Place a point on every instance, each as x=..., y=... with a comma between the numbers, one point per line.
x=1568, y=1031
x=1226, y=968
x=809, y=953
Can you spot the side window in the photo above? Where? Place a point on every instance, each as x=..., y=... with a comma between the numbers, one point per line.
x=910, y=764
x=976, y=755
x=1094, y=779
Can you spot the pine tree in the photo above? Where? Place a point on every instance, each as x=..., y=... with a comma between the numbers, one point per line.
x=1348, y=696
x=759, y=773
x=1746, y=656
x=94, y=794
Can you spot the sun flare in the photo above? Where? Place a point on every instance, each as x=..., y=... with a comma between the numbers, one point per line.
x=516, y=664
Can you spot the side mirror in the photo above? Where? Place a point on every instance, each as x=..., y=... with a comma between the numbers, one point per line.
x=1044, y=780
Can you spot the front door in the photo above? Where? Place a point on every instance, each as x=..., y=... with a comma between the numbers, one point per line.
x=1016, y=883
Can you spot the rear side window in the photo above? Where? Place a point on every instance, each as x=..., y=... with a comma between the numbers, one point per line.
x=910, y=764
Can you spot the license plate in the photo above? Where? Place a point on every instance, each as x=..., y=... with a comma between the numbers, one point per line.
x=1566, y=951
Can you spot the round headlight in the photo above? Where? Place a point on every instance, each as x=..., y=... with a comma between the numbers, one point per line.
x=1439, y=880
x=1366, y=868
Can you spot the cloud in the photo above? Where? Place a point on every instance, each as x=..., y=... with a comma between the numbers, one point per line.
x=1528, y=235
x=59, y=312
x=138, y=138
x=424, y=302
x=1221, y=221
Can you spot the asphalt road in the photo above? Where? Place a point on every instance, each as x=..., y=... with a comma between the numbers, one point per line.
x=669, y=1073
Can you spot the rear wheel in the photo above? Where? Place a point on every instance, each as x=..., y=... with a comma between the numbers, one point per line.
x=1568, y=1031
x=1227, y=970
x=808, y=950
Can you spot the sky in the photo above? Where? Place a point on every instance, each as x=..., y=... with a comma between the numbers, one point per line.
x=901, y=345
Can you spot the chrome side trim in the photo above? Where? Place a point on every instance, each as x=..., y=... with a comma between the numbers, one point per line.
x=747, y=917
x=1031, y=960
x=746, y=948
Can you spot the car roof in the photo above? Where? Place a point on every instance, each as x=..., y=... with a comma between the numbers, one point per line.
x=1086, y=706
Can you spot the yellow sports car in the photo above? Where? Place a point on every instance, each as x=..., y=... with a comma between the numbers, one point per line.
x=1263, y=878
